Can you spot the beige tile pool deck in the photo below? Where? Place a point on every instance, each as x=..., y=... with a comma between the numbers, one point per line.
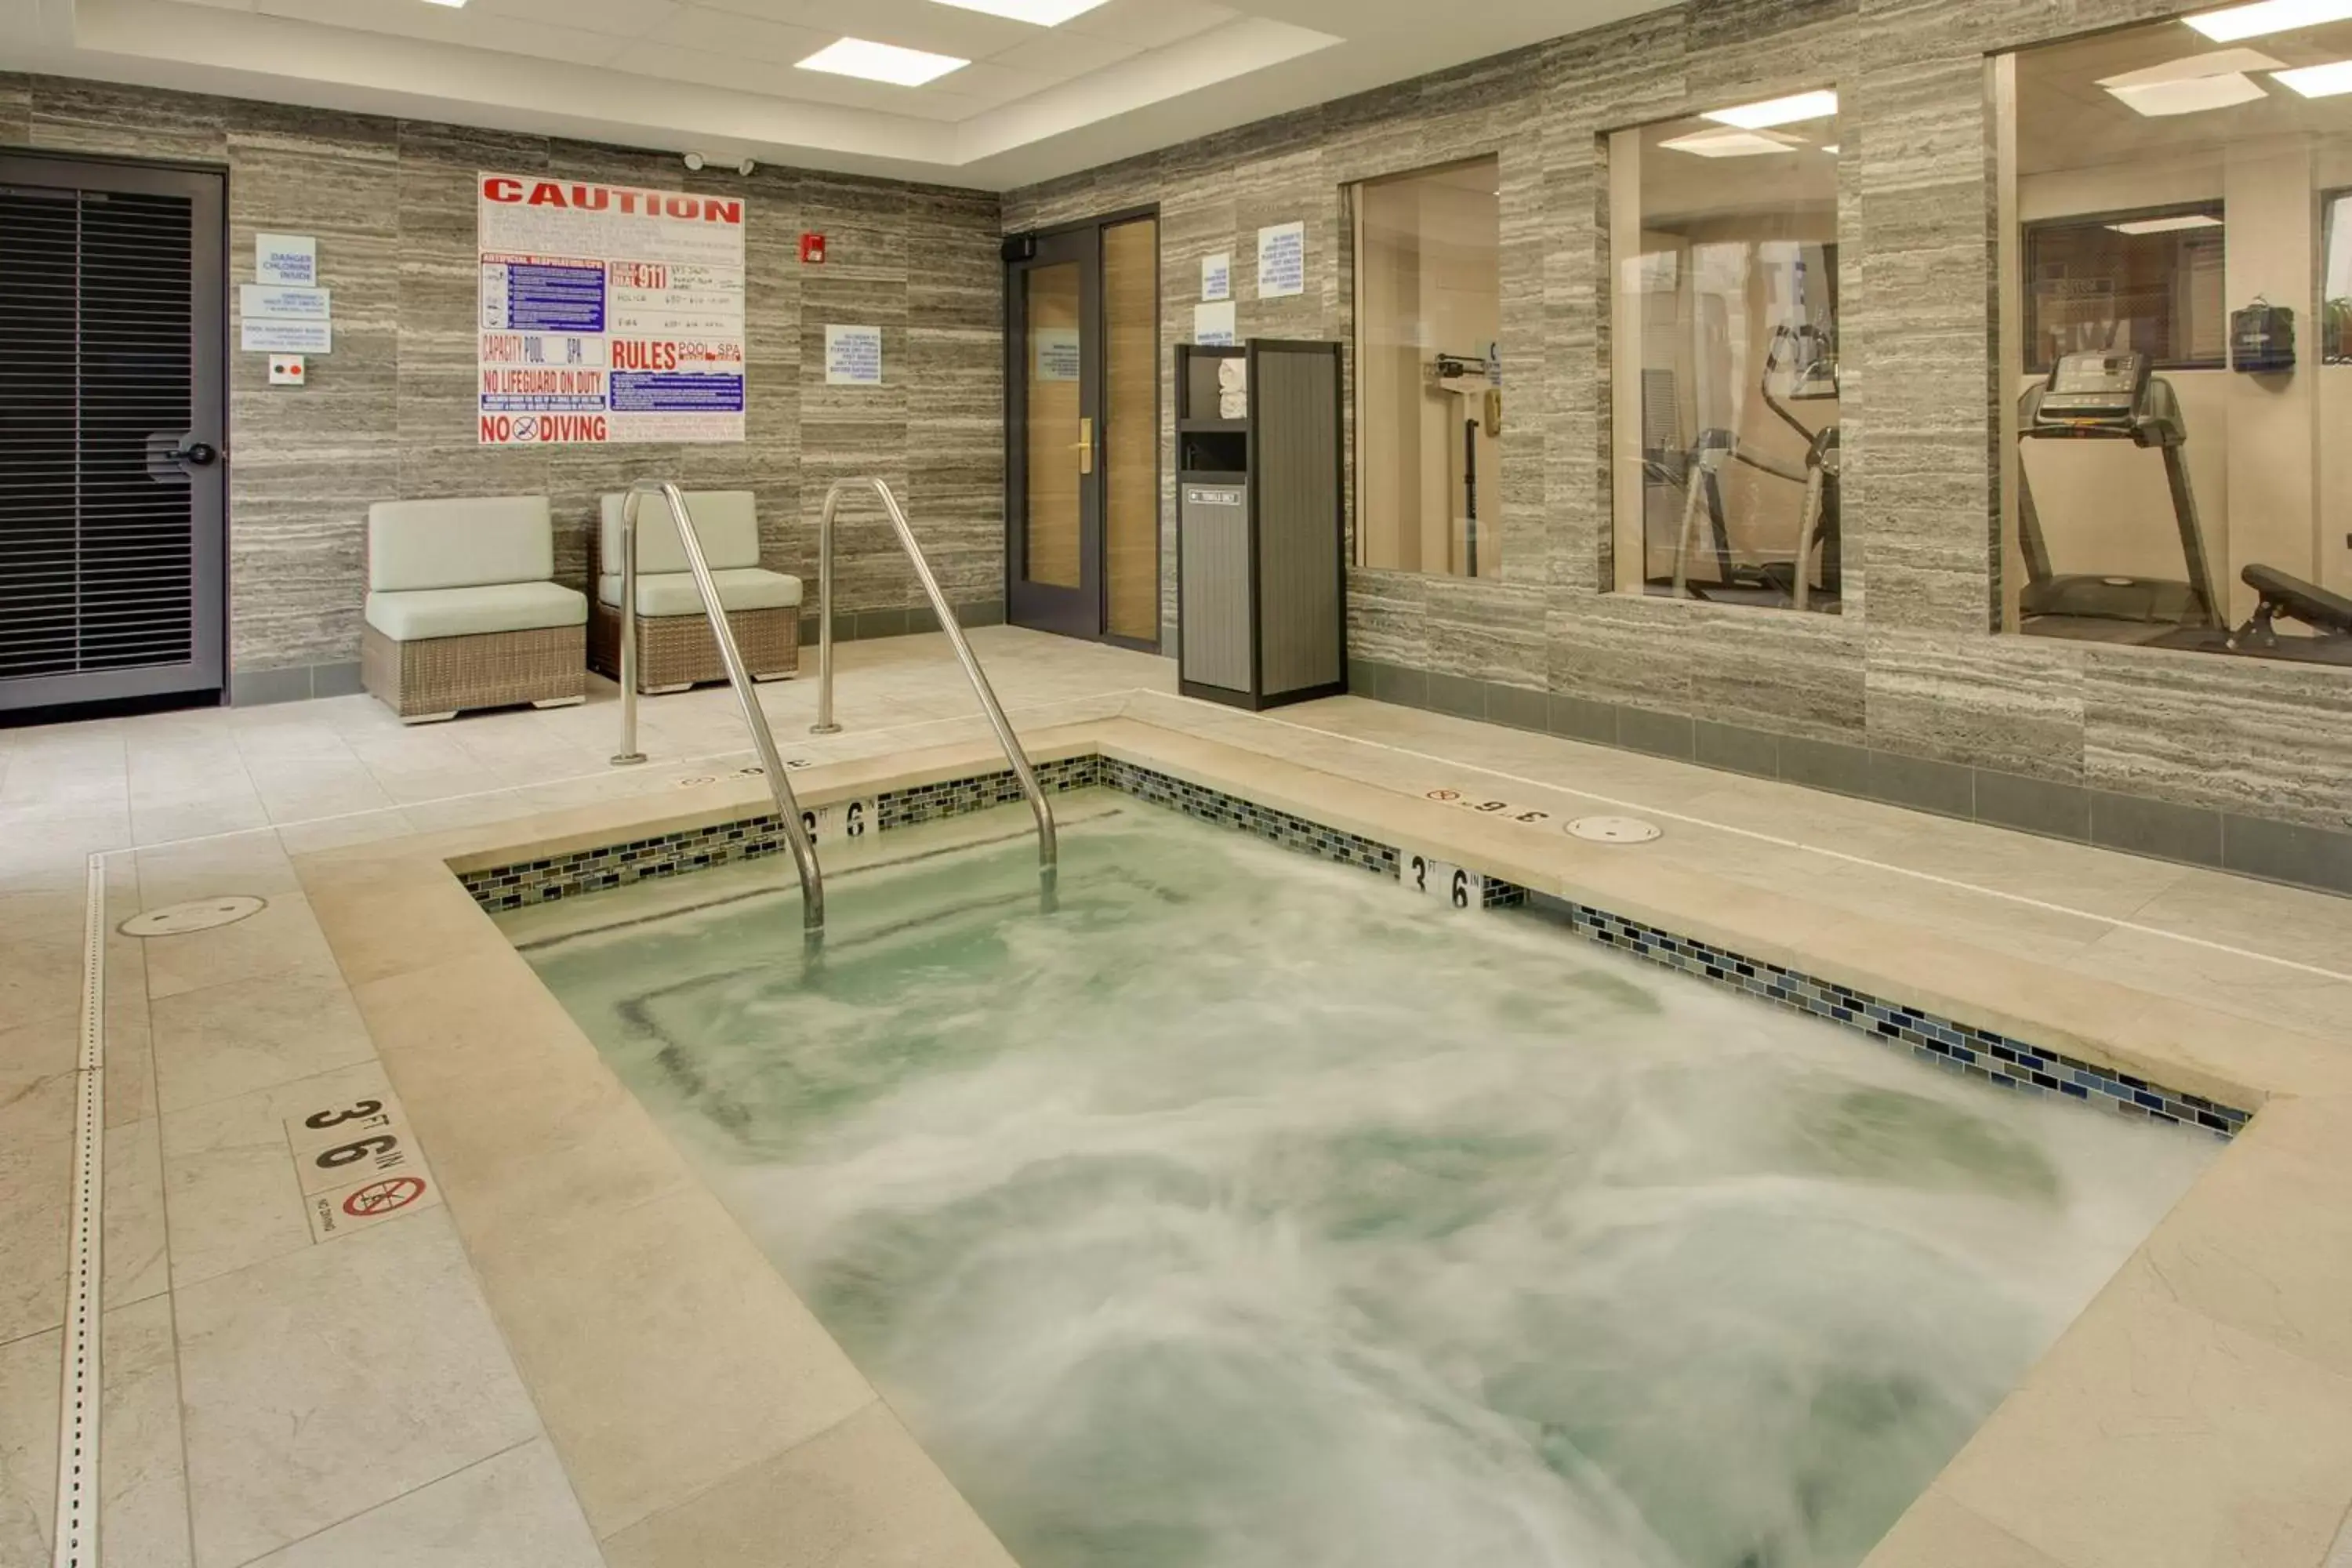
x=578, y=1357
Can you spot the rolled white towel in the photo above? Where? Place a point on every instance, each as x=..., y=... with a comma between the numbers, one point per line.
x=1234, y=405
x=1233, y=375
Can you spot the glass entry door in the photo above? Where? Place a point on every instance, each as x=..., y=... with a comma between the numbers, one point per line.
x=1083, y=397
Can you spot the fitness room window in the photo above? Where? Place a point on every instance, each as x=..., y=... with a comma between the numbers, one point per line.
x=1724, y=370
x=2176, y=315
x=1428, y=311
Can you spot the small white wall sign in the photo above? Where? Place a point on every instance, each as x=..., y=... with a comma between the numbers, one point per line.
x=1217, y=276
x=1212, y=325
x=267, y=337
x=853, y=356
x=268, y=301
x=290, y=259
x=1059, y=353
x=1282, y=261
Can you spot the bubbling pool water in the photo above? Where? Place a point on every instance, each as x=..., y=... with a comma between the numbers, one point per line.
x=1245, y=1213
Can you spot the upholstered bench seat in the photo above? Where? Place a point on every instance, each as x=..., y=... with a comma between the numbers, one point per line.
x=470, y=612
x=462, y=612
x=675, y=647
x=740, y=588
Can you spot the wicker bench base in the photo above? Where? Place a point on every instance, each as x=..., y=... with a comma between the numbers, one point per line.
x=438, y=677
x=675, y=652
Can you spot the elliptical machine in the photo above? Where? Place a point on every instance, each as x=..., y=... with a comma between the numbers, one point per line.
x=1810, y=356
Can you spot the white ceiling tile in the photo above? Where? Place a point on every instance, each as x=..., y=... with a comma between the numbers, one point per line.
x=745, y=37
x=443, y=23
x=1059, y=54
x=1150, y=23
x=742, y=73
x=622, y=18
x=990, y=84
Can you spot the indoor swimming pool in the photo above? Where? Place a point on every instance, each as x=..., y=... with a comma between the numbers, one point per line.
x=1244, y=1210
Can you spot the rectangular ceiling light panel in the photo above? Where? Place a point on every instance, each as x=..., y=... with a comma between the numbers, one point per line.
x=2159, y=99
x=1730, y=144
x=2319, y=81
x=870, y=61
x=2212, y=62
x=2268, y=16
x=2167, y=225
x=1791, y=110
x=1045, y=12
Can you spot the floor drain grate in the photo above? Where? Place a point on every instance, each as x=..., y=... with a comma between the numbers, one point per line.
x=1615, y=830
x=195, y=915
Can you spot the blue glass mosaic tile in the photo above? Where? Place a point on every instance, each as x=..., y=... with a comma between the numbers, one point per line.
x=1976, y=1053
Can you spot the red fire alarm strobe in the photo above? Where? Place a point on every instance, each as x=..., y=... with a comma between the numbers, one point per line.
x=813, y=250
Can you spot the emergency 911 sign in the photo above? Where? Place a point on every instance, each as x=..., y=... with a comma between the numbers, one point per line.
x=609, y=315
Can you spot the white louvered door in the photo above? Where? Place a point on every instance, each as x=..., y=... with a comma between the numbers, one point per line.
x=112, y=482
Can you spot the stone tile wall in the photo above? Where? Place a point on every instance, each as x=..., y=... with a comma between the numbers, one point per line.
x=389, y=414
x=1912, y=667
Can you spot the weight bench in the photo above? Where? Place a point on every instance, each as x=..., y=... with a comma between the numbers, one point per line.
x=2330, y=613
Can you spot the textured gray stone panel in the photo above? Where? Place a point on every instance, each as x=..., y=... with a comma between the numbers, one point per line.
x=15, y=110
x=97, y=116
x=2259, y=736
x=2006, y=703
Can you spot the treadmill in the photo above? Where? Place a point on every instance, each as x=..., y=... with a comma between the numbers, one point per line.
x=2109, y=394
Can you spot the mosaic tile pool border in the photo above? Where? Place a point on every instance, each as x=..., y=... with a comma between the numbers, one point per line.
x=1978, y=1053
x=607, y=867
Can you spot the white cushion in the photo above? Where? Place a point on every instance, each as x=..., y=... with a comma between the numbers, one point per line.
x=469, y=543
x=469, y=612
x=674, y=593
x=727, y=522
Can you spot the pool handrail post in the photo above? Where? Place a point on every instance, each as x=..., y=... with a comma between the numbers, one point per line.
x=730, y=654
x=1049, y=842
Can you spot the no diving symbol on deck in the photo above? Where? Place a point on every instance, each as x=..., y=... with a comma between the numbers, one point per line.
x=380, y=1198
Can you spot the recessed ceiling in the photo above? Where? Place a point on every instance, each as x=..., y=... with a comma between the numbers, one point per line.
x=721, y=77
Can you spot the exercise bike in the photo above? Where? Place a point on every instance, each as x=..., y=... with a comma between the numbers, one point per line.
x=1810, y=357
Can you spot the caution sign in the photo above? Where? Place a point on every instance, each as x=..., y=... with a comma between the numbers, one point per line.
x=610, y=314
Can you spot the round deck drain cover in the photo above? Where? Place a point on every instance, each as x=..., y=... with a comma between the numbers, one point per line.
x=1613, y=829
x=195, y=915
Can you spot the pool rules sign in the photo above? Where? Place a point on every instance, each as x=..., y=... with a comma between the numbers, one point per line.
x=609, y=315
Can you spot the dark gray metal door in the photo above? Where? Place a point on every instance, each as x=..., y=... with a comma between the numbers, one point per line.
x=113, y=490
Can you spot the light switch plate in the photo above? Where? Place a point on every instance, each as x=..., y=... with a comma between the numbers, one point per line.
x=287, y=370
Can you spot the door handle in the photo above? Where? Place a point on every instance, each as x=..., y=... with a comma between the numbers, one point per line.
x=195, y=452
x=1085, y=446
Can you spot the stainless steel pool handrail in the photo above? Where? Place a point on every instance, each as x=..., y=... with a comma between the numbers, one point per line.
x=763, y=740
x=1048, y=846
